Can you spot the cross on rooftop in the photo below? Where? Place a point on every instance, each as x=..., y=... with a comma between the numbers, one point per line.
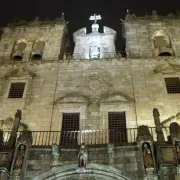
x=95, y=18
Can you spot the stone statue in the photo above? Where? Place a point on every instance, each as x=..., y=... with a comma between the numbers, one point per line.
x=55, y=154
x=82, y=156
x=20, y=157
x=177, y=145
x=147, y=156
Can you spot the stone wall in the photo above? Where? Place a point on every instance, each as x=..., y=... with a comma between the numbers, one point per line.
x=125, y=158
x=51, y=34
x=139, y=35
x=92, y=88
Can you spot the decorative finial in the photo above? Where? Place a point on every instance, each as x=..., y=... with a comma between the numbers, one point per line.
x=128, y=12
x=156, y=112
x=128, y=15
x=62, y=17
x=133, y=16
x=154, y=14
x=18, y=114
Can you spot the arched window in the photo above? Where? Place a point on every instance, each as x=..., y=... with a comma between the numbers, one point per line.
x=18, y=50
x=38, y=49
x=162, y=44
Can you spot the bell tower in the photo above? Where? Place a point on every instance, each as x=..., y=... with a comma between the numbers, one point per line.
x=151, y=35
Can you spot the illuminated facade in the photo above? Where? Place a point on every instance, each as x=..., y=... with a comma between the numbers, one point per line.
x=93, y=114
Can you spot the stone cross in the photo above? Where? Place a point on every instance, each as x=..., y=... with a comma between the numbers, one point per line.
x=95, y=18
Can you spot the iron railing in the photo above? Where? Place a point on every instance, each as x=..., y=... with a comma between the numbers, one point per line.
x=89, y=137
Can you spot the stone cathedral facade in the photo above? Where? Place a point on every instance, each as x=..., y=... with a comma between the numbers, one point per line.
x=93, y=114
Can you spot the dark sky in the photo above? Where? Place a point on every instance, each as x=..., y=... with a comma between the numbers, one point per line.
x=77, y=12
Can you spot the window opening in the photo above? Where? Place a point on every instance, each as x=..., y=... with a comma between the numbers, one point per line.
x=16, y=90
x=162, y=44
x=172, y=85
x=117, y=127
x=70, y=128
x=38, y=49
x=18, y=51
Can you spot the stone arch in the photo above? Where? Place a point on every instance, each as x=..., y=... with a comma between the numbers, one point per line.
x=18, y=50
x=162, y=43
x=93, y=171
x=38, y=49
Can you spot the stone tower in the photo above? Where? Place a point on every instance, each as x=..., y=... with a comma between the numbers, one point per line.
x=151, y=36
x=33, y=41
x=94, y=45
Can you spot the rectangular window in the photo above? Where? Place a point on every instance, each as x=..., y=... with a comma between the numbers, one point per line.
x=70, y=126
x=117, y=127
x=16, y=90
x=172, y=85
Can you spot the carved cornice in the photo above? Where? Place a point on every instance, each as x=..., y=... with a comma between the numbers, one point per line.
x=78, y=97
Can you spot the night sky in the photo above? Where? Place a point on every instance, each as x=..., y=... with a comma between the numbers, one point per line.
x=77, y=12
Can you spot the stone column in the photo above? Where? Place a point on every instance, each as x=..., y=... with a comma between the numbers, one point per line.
x=160, y=135
x=15, y=127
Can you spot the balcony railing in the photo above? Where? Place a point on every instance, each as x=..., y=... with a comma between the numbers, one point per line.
x=89, y=137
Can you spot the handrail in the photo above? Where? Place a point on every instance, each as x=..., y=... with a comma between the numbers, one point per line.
x=89, y=137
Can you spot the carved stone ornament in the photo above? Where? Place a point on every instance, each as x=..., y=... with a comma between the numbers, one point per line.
x=143, y=134
x=96, y=84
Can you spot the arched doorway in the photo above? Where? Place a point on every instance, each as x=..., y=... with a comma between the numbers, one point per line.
x=93, y=172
